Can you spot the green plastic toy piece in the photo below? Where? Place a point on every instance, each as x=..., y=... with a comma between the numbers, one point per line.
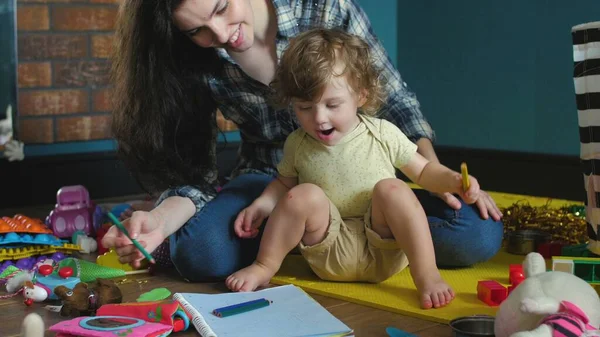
x=9, y=270
x=157, y=294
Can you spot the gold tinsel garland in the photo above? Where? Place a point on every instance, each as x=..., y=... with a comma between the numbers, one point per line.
x=566, y=224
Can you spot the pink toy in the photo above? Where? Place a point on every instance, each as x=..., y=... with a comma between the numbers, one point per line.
x=102, y=326
x=73, y=212
x=570, y=318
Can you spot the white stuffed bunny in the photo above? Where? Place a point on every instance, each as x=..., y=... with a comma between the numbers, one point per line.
x=6, y=127
x=547, y=303
x=13, y=149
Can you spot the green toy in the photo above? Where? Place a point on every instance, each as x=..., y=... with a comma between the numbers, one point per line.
x=157, y=294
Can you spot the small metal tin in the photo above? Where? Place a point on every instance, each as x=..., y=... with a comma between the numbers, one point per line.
x=523, y=242
x=473, y=326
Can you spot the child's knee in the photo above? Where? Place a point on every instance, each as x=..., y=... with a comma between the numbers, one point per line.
x=387, y=189
x=304, y=198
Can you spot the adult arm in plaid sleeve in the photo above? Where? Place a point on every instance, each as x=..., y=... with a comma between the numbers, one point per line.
x=402, y=107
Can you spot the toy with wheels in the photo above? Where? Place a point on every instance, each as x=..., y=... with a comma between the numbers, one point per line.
x=73, y=212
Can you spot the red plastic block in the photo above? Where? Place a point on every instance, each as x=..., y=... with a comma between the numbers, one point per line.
x=515, y=274
x=515, y=267
x=491, y=292
x=550, y=249
x=99, y=235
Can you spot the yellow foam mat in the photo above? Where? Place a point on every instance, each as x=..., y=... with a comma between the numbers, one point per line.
x=398, y=294
x=507, y=199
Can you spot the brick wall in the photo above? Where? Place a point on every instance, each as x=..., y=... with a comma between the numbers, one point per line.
x=64, y=48
x=63, y=79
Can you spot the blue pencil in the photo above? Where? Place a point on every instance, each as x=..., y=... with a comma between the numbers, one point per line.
x=241, y=307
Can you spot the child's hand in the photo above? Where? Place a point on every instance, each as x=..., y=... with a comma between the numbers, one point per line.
x=471, y=195
x=249, y=220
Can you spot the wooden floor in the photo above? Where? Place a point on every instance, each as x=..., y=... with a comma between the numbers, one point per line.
x=364, y=320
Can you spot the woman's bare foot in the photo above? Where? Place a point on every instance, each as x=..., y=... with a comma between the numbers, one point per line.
x=248, y=279
x=434, y=292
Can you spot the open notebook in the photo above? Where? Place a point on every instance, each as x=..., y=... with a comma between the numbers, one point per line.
x=293, y=313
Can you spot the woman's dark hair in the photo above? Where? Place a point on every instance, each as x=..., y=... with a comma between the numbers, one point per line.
x=163, y=117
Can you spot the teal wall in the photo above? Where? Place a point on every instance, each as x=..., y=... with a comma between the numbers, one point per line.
x=495, y=74
x=383, y=17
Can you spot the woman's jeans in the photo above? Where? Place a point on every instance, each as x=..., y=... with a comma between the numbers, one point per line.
x=207, y=249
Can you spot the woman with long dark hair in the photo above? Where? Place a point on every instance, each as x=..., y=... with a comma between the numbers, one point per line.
x=176, y=63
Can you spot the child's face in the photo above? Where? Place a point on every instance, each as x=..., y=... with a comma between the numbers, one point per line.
x=334, y=115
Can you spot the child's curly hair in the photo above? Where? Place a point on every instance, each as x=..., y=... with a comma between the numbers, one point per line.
x=308, y=63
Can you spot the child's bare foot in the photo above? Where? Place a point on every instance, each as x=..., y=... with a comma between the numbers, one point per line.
x=250, y=278
x=434, y=291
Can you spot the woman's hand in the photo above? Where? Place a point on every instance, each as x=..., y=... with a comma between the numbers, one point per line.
x=145, y=227
x=250, y=219
x=487, y=206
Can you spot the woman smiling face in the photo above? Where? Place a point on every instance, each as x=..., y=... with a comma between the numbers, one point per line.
x=225, y=24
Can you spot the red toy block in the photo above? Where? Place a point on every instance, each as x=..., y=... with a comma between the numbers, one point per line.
x=515, y=274
x=491, y=292
x=99, y=235
x=550, y=249
x=515, y=267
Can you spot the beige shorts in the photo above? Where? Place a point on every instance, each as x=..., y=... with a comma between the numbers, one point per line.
x=352, y=251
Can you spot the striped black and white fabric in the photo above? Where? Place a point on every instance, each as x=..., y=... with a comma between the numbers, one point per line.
x=586, y=75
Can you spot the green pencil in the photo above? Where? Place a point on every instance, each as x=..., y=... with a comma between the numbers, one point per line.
x=134, y=241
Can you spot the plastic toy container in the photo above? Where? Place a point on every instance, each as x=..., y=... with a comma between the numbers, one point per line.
x=473, y=326
x=523, y=242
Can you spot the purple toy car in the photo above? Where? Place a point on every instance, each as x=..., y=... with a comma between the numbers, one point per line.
x=73, y=212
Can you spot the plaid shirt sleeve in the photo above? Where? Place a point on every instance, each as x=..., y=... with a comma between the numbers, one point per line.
x=402, y=107
x=198, y=197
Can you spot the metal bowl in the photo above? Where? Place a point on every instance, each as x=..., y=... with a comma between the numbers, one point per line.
x=473, y=326
x=523, y=242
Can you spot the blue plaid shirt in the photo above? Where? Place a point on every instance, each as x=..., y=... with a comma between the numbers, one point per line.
x=262, y=128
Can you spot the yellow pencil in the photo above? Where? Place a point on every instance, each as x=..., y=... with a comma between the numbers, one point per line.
x=465, y=176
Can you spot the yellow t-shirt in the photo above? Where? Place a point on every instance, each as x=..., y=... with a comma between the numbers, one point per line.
x=348, y=171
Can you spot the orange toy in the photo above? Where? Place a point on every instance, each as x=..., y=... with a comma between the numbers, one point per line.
x=23, y=224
